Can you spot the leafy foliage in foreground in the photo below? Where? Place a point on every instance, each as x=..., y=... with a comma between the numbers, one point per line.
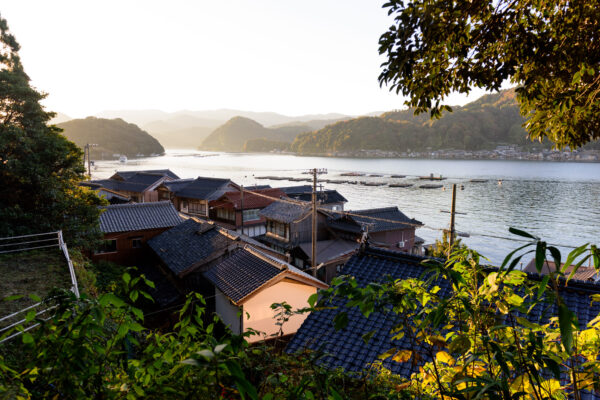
x=477, y=342
x=100, y=349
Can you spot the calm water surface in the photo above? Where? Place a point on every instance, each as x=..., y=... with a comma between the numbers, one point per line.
x=559, y=202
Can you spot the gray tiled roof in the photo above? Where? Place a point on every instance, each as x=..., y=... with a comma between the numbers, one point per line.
x=248, y=269
x=346, y=348
x=285, y=212
x=329, y=249
x=353, y=223
x=296, y=189
x=241, y=274
x=189, y=244
x=138, y=216
x=160, y=172
x=327, y=196
x=119, y=186
x=204, y=188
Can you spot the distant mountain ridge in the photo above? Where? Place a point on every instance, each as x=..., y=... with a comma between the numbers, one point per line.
x=492, y=120
x=113, y=136
x=235, y=133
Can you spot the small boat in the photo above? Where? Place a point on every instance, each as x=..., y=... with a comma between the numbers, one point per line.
x=398, y=176
x=499, y=182
x=123, y=159
x=337, y=181
x=431, y=186
x=478, y=180
x=400, y=185
x=375, y=175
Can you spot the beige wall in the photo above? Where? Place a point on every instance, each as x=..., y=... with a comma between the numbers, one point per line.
x=229, y=313
x=262, y=316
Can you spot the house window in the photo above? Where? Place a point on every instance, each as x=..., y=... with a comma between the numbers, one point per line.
x=164, y=195
x=197, y=208
x=108, y=246
x=251, y=215
x=223, y=213
x=277, y=229
x=136, y=242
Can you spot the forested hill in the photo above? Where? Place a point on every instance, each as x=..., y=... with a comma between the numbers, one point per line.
x=490, y=121
x=113, y=136
x=233, y=135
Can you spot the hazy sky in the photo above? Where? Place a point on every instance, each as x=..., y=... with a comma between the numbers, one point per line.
x=289, y=57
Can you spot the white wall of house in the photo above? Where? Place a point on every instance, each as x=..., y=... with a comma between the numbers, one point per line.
x=262, y=318
x=228, y=312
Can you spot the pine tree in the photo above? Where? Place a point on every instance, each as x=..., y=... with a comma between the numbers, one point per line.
x=39, y=168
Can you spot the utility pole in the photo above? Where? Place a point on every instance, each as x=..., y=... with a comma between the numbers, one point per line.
x=313, y=257
x=242, y=205
x=452, y=213
x=86, y=151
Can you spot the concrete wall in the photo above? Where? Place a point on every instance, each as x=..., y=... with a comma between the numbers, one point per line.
x=262, y=316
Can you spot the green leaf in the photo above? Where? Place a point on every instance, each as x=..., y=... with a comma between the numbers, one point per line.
x=565, y=323
x=27, y=338
x=519, y=232
x=340, y=321
x=367, y=336
x=312, y=300
x=387, y=354
x=126, y=278
x=206, y=353
x=540, y=256
x=109, y=298
x=219, y=348
x=13, y=297
x=542, y=286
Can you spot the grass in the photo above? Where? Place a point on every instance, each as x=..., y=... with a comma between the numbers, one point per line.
x=28, y=272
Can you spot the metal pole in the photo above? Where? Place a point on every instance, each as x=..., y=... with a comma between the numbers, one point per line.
x=452, y=213
x=314, y=224
x=242, y=205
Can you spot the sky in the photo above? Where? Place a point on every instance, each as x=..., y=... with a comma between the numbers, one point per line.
x=294, y=58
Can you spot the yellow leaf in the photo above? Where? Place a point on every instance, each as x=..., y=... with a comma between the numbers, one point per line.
x=445, y=358
x=402, y=356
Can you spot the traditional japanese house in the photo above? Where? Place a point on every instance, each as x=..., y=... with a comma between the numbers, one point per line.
x=246, y=285
x=327, y=198
x=192, y=196
x=234, y=210
x=289, y=223
x=387, y=227
x=127, y=228
x=140, y=186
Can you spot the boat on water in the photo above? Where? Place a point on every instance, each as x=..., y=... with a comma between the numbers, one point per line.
x=431, y=186
x=400, y=185
x=352, y=174
x=372, y=183
x=478, y=180
x=397, y=176
x=123, y=159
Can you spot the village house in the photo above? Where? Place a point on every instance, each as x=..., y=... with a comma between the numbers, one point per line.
x=140, y=186
x=326, y=198
x=248, y=282
x=127, y=228
x=192, y=196
x=290, y=223
x=346, y=348
x=387, y=227
x=583, y=273
x=236, y=209
x=191, y=248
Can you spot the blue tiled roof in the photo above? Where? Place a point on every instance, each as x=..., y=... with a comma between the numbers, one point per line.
x=353, y=223
x=205, y=188
x=188, y=244
x=345, y=348
x=138, y=216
